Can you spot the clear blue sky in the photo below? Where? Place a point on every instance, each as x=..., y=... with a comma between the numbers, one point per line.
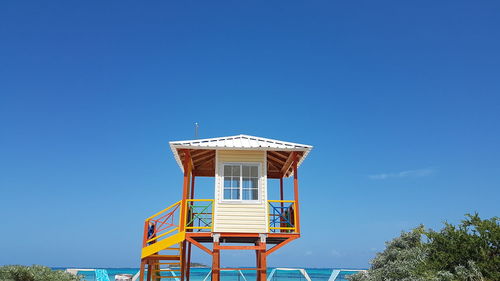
x=400, y=99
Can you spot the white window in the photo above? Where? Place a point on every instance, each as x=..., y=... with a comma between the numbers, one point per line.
x=241, y=182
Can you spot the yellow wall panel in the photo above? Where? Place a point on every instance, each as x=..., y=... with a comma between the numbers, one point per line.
x=241, y=216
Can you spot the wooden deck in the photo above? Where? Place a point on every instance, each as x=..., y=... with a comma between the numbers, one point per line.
x=243, y=238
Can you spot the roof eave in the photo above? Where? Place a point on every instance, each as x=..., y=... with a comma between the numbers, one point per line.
x=179, y=162
x=240, y=148
x=176, y=156
x=199, y=144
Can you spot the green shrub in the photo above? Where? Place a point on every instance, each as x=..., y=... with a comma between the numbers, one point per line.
x=467, y=252
x=473, y=240
x=34, y=273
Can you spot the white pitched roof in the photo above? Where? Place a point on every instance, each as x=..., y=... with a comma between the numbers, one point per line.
x=239, y=142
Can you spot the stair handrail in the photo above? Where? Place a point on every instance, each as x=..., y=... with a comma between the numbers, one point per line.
x=166, y=221
x=163, y=220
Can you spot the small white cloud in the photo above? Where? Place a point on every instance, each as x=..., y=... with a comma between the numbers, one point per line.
x=404, y=174
x=335, y=253
x=309, y=253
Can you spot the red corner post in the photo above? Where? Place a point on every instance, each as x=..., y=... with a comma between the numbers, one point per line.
x=185, y=189
x=296, y=189
x=183, y=216
x=257, y=261
x=216, y=262
x=189, y=244
x=262, y=266
x=282, y=195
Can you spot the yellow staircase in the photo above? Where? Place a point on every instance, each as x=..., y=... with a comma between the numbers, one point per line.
x=166, y=266
x=163, y=252
x=164, y=244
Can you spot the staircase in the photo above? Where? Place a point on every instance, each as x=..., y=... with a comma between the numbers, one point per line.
x=166, y=266
x=164, y=248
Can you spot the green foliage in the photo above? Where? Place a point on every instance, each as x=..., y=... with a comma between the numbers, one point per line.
x=467, y=252
x=403, y=259
x=34, y=273
x=473, y=240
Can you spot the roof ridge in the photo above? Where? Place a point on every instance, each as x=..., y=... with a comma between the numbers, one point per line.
x=240, y=136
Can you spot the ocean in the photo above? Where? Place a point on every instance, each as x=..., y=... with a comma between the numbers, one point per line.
x=199, y=274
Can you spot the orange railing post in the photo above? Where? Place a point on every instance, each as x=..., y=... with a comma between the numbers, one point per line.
x=145, y=235
x=296, y=190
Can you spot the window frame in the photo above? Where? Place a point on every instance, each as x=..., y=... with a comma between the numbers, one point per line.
x=241, y=200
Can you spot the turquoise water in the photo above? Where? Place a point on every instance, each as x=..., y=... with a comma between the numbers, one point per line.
x=198, y=274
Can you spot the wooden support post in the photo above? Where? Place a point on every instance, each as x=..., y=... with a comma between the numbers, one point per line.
x=156, y=271
x=185, y=190
x=184, y=208
x=216, y=263
x=296, y=190
x=141, y=271
x=282, y=196
x=282, y=210
x=191, y=195
x=150, y=270
x=257, y=262
x=189, y=244
x=263, y=262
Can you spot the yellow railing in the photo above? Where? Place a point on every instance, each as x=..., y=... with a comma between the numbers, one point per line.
x=167, y=222
x=282, y=218
x=200, y=214
x=162, y=224
x=164, y=210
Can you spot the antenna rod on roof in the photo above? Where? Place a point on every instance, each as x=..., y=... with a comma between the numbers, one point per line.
x=196, y=130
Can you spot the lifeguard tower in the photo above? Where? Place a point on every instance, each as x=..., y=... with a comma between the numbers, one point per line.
x=240, y=212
